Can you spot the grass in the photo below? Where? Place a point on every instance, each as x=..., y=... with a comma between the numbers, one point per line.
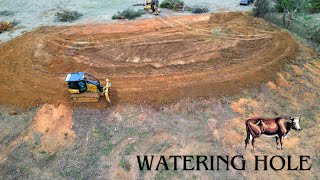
x=128, y=14
x=194, y=177
x=37, y=139
x=130, y=148
x=160, y=147
x=216, y=32
x=123, y=163
x=107, y=149
x=74, y=172
x=164, y=174
x=67, y=16
x=288, y=67
x=47, y=156
x=24, y=168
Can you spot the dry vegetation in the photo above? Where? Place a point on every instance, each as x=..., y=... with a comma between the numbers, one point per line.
x=7, y=25
x=107, y=141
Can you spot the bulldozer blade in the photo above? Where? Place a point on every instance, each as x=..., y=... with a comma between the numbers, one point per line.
x=107, y=98
x=106, y=90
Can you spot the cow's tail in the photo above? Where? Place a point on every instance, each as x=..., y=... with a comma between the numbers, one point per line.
x=248, y=134
x=251, y=131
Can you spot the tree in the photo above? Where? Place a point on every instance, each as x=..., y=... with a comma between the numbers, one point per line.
x=315, y=5
x=291, y=8
x=261, y=8
x=312, y=27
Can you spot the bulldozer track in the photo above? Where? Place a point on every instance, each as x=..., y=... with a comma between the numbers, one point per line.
x=85, y=97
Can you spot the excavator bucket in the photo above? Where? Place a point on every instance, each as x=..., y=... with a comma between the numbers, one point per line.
x=106, y=91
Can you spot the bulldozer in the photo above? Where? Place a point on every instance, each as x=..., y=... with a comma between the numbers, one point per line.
x=84, y=87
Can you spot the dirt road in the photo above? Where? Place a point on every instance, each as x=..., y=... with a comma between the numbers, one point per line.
x=152, y=61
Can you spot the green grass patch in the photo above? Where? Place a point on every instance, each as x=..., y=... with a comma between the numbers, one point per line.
x=123, y=163
x=128, y=14
x=24, y=168
x=47, y=156
x=107, y=149
x=130, y=148
x=72, y=171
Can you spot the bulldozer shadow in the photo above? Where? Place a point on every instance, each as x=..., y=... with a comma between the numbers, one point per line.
x=114, y=97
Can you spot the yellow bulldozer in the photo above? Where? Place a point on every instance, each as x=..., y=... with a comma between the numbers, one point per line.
x=84, y=87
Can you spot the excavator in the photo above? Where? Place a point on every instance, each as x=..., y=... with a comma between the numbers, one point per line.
x=84, y=87
x=151, y=6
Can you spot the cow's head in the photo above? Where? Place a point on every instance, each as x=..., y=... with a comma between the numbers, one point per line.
x=295, y=122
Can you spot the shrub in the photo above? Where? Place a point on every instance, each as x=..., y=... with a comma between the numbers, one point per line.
x=172, y=4
x=7, y=25
x=199, y=9
x=68, y=16
x=312, y=27
x=217, y=32
x=315, y=5
x=128, y=14
x=261, y=8
x=6, y=13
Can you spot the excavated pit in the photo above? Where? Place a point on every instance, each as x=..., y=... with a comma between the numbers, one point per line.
x=152, y=61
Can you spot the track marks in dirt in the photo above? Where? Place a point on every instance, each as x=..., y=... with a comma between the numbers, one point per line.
x=148, y=61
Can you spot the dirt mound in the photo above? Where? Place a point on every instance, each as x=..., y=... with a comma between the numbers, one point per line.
x=152, y=61
x=54, y=124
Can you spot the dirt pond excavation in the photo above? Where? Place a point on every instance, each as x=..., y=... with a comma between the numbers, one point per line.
x=147, y=61
x=180, y=85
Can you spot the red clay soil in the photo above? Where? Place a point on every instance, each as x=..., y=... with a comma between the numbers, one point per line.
x=148, y=61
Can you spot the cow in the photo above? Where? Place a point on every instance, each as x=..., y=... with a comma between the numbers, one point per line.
x=278, y=127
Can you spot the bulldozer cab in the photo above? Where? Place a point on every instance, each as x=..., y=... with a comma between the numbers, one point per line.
x=81, y=81
x=78, y=85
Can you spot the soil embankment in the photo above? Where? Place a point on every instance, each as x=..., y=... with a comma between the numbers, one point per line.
x=151, y=61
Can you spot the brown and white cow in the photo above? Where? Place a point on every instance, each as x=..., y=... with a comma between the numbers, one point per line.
x=278, y=127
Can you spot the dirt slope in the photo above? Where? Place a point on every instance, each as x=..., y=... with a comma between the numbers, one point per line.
x=148, y=61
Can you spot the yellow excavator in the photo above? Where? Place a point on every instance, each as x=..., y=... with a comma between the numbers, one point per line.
x=84, y=87
x=151, y=6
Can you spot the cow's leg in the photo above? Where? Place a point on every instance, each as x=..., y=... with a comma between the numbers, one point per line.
x=247, y=138
x=277, y=140
x=252, y=142
x=246, y=143
x=281, y=141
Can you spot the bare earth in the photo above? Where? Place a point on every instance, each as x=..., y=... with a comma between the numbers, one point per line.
x=205, y=74
x=147, y=61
